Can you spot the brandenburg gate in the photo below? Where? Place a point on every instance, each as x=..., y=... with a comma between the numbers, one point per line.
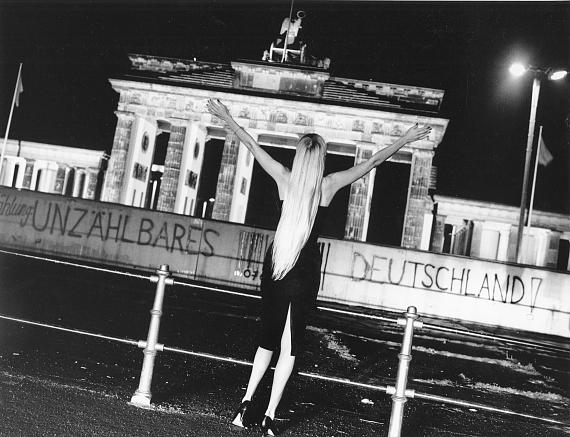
x=276, y=103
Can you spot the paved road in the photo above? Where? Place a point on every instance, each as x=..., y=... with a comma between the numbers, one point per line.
x=54, y=383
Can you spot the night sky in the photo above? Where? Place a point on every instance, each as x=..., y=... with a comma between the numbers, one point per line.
x=70, y=49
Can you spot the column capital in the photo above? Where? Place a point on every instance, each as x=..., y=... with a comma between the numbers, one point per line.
x=179, y=122
x=201, y=129
x=125, y=114
x=423, y=153
x=366, y=144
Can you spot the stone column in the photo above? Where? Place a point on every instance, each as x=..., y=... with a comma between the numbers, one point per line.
x=242, y=183
x=51, y=176
x=79, y=183
x=13, y=171
x=28, y=173
x=68, y=181
x=190, y=169
x=7, y=172
x=502, y=250
x=436, y=243
x=358, y=214
x=3, y=168
x=226, y=179
x=419, y=202
x=90, y=184
x=171, y=176
x=118, y=160
x=59, y=186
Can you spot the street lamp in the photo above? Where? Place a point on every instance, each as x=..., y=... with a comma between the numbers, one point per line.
x=518, y=70
x=206, y=207
x=557, y=74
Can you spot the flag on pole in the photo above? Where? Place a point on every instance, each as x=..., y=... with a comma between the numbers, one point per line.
x=19, y=89
x=15, y=100
x=544, y=155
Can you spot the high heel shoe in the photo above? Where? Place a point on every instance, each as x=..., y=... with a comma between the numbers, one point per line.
x=268, y=427
x=240, y=417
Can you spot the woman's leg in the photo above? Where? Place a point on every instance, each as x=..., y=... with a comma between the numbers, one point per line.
x=260, y=364
x=283, y=368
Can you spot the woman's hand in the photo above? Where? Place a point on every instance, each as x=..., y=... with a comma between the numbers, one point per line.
x=277, y=171
x=217, y=108
x=416, y=133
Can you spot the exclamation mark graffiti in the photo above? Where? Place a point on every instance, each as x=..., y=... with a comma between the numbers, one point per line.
x=535, y=284
x=325, y=249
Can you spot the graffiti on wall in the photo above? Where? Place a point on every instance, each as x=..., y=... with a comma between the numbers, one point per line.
x=325, y=250
x=251, y=251
x=227, y=253
x=496, y=286
x=80, y=222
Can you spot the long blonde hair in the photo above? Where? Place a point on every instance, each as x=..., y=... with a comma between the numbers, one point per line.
x=300, y=205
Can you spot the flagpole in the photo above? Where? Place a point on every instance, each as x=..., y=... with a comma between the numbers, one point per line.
x=9, y=121
x=529, y=143
x=534, y=178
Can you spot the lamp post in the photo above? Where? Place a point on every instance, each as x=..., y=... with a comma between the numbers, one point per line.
x=518, y=70
x=206, y=207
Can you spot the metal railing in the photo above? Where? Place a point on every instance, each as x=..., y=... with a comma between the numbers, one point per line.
x=426, y=326
x=400, y=393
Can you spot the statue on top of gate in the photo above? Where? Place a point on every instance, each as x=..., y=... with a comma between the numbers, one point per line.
x=290, y=47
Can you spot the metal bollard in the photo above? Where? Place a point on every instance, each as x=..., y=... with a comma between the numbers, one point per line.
x=142, y=395
x=399, y=393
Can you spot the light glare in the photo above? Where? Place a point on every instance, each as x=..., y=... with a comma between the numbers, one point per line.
x=558, y=74
x=517, y=69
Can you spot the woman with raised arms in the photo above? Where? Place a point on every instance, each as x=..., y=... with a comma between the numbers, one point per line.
x=291, y=270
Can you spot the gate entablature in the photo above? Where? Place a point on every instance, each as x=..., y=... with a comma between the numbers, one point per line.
x=336, y=123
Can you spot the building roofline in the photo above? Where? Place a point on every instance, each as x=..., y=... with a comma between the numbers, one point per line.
x=508, y=213
x=292, y=97
x=407, y=99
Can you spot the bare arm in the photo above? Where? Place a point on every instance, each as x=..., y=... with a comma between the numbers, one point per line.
x=336, y=181
x=276, y=170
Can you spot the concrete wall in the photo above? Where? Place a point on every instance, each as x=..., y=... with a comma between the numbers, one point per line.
x=521, y=297
x=354, y=273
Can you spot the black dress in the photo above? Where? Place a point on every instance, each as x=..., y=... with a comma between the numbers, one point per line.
x=298, y=289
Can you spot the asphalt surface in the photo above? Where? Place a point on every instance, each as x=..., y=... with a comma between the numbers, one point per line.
x=58, y=384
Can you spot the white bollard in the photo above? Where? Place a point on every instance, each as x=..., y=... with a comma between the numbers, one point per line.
x=142, y=395
x=399, y=393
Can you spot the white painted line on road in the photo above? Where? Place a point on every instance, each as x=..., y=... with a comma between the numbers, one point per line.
x=68, y=263
x=461, y=403
x=73, y=331
x=305, y=374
